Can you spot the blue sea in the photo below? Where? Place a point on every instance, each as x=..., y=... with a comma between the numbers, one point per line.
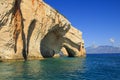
x=93, y=67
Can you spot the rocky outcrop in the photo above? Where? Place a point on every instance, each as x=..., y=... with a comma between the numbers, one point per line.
x=31, y=29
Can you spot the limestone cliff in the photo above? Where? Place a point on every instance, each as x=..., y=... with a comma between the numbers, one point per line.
x=31, y=29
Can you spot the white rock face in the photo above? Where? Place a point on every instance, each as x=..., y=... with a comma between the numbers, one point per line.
x=31, y=29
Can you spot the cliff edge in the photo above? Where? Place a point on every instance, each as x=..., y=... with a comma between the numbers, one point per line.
x=31, y=29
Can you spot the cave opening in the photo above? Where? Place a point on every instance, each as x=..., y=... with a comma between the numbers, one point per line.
x=52, y=42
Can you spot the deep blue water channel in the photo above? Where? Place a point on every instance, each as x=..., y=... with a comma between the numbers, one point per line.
x=93, y=67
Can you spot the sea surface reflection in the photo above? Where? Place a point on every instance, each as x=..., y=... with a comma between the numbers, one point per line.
x=48, y=69
x=93, y=67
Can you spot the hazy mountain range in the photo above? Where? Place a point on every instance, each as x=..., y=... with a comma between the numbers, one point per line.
x=103, y=49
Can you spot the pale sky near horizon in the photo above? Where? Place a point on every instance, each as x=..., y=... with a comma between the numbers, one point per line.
x=99, y=20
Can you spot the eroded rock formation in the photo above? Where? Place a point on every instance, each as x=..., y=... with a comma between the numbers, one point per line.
x=31, y=29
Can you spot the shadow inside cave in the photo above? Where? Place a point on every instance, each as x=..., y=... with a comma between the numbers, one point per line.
x=53, y=40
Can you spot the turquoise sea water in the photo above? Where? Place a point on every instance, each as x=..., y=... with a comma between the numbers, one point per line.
x=93, y=67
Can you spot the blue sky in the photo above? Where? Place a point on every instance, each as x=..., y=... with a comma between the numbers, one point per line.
x=99, y=20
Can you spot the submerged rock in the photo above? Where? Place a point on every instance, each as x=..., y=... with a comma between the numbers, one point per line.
x=31, y=29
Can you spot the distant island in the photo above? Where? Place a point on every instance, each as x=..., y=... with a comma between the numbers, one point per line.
x=102, y=49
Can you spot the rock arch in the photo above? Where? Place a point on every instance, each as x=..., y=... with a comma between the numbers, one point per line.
x=53, y=40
